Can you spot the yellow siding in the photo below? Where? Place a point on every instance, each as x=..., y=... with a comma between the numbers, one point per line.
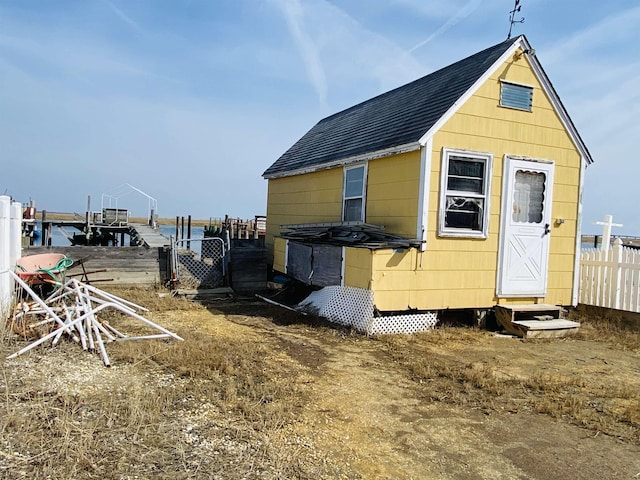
x=461, y=273
x=310, y=198
x=391, y=196
x=452, y=272
x=279, y=251
x=358, y=267
x=392, y=193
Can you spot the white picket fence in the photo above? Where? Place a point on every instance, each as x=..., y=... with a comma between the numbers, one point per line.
x=10, y=250
x=611, y=277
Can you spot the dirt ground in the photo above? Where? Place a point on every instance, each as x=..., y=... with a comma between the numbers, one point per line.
x=454, y=403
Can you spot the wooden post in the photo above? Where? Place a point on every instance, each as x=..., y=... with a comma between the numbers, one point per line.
x=617, y=275
x=606, y=233
x=182, y=229
x=87, y=219
x=189, y=232
x=177, y=227
x=43, y=240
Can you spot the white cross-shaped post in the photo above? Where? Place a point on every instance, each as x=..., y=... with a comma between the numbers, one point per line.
x=606, y=231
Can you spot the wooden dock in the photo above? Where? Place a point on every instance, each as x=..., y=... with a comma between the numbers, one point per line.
x=595, y=241
x=104, y=234
x=149, y=237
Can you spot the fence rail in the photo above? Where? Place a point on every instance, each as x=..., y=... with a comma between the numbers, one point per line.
x=610, y=277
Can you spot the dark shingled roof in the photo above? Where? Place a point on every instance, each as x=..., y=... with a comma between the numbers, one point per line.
x=398, y=117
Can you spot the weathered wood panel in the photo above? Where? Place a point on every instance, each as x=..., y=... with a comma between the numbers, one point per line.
x=319, y=265
x=114, y=265
x=299, y=261
x=327, y=265
x=248, y=269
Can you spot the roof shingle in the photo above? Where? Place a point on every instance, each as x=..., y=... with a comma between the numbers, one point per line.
x=398, y=117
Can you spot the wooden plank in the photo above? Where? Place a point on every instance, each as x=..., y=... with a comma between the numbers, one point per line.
x=559, y=333
x=248, y=269
x=299, y=264
x=535, y=307
x=125, y=266
x=327, y=265
x=546, y=325
x=510, y=317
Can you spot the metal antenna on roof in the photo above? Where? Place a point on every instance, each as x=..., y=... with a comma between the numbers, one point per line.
x=512, y=20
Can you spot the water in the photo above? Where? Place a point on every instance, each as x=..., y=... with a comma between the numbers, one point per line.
x=168, y=230
x=59, y=240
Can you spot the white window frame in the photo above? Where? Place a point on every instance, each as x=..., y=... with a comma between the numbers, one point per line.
x=363, y=196
x=487, y=159
x=514, y=84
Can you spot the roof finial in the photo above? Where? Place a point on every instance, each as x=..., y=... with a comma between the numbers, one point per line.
x=512, y=20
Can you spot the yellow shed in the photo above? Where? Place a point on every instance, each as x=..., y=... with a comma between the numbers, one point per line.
x=461, y=189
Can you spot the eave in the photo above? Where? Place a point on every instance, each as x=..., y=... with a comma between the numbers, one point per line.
x=387, y=152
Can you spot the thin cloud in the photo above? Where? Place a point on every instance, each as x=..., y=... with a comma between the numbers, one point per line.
x=433, y=9
x=461, y=14
x=123, y=16
x=357, y=62
x=294, y=15
x=611, y=29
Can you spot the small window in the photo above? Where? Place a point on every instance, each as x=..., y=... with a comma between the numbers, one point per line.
x=464, y=195
x=516, y=96
x=528, y=197
x=353, y=194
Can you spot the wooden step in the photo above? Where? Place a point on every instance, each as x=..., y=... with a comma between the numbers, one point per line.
x=534, y=307
x=556, y=328
x=535, y=320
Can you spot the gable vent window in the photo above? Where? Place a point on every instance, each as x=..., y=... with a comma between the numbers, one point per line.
x=464, y=194
x=516, y=96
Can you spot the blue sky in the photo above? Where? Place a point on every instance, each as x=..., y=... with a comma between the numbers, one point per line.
x=191, y=100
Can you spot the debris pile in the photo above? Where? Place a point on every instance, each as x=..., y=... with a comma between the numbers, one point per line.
x=357, y=235
x=72, y=310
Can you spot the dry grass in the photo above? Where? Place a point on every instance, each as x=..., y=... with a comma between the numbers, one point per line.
x=213, y=407
x=611, y=326
x=605, y=406
x=156, y=300
x=194, y=409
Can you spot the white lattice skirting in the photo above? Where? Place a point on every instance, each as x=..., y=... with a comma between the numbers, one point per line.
x=353, y=307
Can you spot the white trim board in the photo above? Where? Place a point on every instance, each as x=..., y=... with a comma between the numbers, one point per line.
x=423, y=194
x=387, y=152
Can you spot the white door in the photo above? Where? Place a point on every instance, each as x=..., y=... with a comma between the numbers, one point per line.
x=523, y=259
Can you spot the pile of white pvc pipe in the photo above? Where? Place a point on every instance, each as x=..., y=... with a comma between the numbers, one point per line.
x=72, y=310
